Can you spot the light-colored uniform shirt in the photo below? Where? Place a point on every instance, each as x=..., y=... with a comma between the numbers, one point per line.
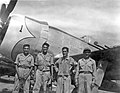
x=28, y=60
x=43, y=61
x=87, y=65
x=24, y=63
x=64, y=65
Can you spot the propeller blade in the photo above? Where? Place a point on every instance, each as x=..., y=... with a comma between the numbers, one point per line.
x=9, y=9
x=2, y=9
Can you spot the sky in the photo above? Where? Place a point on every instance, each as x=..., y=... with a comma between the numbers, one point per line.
x=98, y=19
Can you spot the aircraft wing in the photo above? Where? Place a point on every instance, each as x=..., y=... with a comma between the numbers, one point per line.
x=109, y=75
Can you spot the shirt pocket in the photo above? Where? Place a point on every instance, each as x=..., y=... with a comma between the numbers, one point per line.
x=29, y=61
x=21, y=62
x=47, y=59
x=90, y=66
x=82, y=64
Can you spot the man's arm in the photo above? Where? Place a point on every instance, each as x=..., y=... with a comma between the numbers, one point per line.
x=73, y=63
x=17, y=71
x=36, y=66
x=56, y=65
x=94, y=71
x=51, y=69
x=77, y=73
x=52, y=63
x=16, y=65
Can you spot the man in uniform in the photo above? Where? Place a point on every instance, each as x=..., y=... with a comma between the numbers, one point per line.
x=24, y=65
x=63, y=66
x=44, y=61
x=86, y=73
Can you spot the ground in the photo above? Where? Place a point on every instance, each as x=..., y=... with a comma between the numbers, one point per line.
x=8, y=86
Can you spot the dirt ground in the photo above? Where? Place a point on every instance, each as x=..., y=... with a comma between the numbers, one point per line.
x=7, y=87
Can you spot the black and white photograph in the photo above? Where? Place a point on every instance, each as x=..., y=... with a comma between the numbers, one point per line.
x=59, y=46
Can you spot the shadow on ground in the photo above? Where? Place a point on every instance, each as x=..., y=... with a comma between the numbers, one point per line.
x=6, y=81
x=5, y=90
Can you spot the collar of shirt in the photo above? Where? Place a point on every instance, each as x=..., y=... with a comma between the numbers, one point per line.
x=86, y=60
x=22, y=54
x=44, y=55
x=67, y=58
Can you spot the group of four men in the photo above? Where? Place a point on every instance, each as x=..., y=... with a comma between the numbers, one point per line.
x=84, y=77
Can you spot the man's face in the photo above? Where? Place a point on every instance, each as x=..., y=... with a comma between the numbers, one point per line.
x=26, y=49
x=87, y=54
x=65, y=52
x=45, y=48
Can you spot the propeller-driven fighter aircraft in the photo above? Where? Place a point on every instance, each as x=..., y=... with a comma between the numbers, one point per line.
x=16, y=30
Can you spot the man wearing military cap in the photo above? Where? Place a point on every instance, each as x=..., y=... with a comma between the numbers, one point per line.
x=86, y=72
x=43, y=62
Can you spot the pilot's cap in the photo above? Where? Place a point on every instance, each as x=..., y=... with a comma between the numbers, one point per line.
x=87, y=50
x=45, y=44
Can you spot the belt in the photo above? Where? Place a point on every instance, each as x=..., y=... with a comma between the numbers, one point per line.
x=85, y=72
x=23, y=66
x=46, y=70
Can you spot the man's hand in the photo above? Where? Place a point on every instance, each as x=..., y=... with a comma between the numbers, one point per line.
x=26, y=76
x=93, y=80
x=92, y=85
x=56, y=69
x=20, y=78
x=51, y=77
x=48, y=64
x=76, y=81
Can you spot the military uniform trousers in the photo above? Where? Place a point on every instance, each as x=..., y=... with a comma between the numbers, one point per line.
x=84, y=83
x=63, y=84
x=22, y=73
x=42, y=78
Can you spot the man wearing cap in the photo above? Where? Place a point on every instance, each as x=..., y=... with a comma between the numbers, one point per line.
x=24, y=65
x=86, y=73
x=43, y=62
x=63, y=66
